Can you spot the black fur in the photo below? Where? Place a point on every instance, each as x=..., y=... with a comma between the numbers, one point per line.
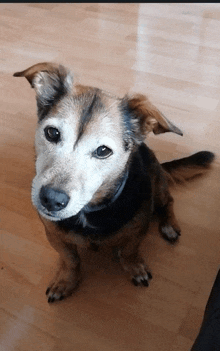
x=131, y=126
x=93, y=104
x=201, y=159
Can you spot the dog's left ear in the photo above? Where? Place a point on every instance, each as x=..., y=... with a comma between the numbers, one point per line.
x=149, y=118
x=50, y=82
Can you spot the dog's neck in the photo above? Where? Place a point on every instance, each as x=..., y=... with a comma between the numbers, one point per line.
x=104, y=204
x=108, y=202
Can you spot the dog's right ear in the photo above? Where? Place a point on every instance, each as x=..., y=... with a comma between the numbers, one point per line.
x=146, y=116
x=50, y=81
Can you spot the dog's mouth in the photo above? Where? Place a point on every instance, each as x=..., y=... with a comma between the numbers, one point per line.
x=59, y=215
x=55, y=204
x=52, y=216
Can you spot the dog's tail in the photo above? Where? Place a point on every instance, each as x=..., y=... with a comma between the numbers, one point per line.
x=181, y=170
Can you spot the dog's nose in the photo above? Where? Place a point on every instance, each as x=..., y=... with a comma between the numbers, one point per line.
x=53, y=199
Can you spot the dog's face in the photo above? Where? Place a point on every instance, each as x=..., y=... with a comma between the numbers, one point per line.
x=84, y=140
x=81, y=155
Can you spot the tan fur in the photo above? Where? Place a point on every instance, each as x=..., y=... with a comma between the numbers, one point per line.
x=151, y=119
x=50, y=68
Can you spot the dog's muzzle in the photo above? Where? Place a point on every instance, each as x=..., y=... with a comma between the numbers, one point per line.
x=52, y=199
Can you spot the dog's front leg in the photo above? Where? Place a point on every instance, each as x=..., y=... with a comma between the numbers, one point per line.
x=68, y=274
x=129, y=256
x=134, y=265
x=168, y=225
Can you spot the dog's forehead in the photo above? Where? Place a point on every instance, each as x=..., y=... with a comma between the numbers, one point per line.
x=89, y=105
x=88, y=109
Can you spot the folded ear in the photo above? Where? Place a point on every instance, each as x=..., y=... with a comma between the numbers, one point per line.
x=148, y=117
x=50, y=81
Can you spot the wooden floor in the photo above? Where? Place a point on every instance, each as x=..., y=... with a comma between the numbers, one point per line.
x=171, y=52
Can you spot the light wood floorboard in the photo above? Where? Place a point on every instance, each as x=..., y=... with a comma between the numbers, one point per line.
x=170, y=52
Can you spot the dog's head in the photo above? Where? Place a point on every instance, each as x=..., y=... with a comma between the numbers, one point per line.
x=84, y=140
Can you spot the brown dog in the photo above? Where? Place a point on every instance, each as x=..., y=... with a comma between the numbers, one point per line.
x=96, y=180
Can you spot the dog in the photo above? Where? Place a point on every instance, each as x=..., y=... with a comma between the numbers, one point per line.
x=97, y=182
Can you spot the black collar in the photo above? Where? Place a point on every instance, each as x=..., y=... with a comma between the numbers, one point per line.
x=116, y=195
x=89, y=209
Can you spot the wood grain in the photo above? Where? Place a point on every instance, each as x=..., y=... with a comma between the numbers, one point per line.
x=171, y=52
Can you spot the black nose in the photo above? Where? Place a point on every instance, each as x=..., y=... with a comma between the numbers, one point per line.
x=53, y=199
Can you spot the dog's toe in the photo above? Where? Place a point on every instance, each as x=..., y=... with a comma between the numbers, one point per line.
x=142, y=280
x=170, y=233
x=55, y=298
x=51, y=299
x=53, y=294
x=58, y=293
x=61, y=288
x=138, y=271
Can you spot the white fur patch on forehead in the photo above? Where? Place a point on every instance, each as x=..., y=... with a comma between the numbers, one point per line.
x=109, y=123
x=102, y=131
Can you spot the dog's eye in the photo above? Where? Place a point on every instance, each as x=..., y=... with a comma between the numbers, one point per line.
x=52, y=134
x=102, y=152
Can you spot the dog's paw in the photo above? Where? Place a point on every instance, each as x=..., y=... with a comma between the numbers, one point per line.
x=142, y=279
x=62, y=286
x=138, y=273
x=170, y=233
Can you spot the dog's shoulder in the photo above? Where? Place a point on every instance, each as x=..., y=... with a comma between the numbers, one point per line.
x=150, y=166
x=146, y=155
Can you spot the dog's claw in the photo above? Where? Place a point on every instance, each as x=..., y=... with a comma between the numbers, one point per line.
x=142, y=280
x=145, y=282
x=149, y=275
x=134, y=281
x=51, y=299
x=60, y=289
x=55, y=297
